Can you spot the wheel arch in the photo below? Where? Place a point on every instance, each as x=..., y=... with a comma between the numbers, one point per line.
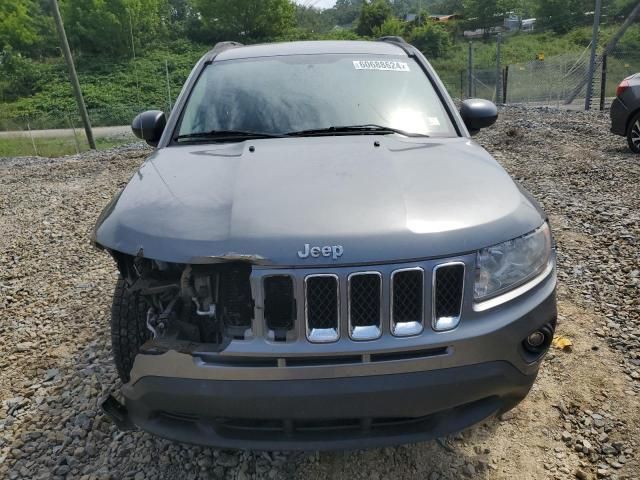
x=630, y=117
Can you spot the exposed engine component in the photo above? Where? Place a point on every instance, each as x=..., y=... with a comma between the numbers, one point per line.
x=157, y=323
x=193, y=303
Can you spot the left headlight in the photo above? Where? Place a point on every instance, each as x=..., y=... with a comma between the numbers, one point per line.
x=509, y=264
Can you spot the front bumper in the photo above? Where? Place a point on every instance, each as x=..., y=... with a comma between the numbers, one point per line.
x=325, y=414
x=619, y=117
x=444, y=384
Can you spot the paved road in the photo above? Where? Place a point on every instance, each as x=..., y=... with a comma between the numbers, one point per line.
x=98, y=132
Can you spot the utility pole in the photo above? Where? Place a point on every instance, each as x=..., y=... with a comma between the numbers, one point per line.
x=135, y=66
x=470, y=72
x=592, y=59
x=72, y=74
x=166, y=68
x=498, y=69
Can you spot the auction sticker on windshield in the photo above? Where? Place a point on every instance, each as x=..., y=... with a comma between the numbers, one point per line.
x=385, y=65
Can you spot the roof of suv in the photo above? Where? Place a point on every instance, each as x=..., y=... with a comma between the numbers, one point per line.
x=311, y=48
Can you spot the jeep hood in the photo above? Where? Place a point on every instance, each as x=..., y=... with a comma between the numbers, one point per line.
x=405, y=199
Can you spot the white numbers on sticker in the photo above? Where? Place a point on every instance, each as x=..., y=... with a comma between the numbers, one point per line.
x=385, y=65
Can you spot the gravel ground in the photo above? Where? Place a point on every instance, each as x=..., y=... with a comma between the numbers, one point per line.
x=581, y=420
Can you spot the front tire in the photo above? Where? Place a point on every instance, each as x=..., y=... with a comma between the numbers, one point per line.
x=633, y=133
x=128, y=328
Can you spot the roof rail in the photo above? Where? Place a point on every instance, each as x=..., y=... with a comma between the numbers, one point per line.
x=392, y=39
x=221, y=47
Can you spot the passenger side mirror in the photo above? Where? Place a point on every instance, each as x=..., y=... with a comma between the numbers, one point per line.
x=149, y=126
x=477, y=114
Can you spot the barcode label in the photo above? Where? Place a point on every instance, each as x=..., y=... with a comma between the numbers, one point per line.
x=385, y=65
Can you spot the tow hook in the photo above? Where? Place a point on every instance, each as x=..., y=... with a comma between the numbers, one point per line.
x=117, y=413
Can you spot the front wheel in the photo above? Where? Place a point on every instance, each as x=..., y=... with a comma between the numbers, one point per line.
x=633, y=133
x=128, y=328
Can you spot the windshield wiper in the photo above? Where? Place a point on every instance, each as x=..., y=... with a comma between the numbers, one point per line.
x=227, y=135
x=368, y=129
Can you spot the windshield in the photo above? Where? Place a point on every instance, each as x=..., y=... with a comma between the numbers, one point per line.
x=287, y=94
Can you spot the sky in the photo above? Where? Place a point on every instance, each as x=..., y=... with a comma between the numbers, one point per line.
x=317, y=3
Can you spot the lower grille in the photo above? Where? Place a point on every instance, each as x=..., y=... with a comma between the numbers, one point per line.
x=365, y=293
x=407, y=302
x=448, y=285
x=322, y=308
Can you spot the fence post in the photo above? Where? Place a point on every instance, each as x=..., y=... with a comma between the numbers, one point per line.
x=505, y=82
x=592, y=59
x=33, y=142
x=470, y=71
x=603, y=81
x=498, y=68
x=73, y=129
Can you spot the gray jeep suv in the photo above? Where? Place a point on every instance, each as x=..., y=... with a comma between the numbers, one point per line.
x=318, y=256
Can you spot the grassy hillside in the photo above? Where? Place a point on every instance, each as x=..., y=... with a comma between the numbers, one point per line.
x=116, y=89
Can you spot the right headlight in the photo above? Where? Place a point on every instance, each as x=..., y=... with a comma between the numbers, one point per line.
x=509, y=264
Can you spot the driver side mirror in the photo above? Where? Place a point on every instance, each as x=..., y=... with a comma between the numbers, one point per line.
x=478, y=114
x=149, y=126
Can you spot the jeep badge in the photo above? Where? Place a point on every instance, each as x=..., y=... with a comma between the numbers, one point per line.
x=334, y=251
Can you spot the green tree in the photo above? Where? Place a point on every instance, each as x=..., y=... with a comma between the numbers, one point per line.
x=107, y=26
x=246, y=19
x=431, y=39
x=20, y=25
x=314, y=20
x=373, y=15
x=447, y=7
x=392, y=26
x=403, y=7
x=563, y=15
x=182, y=18
x=482, y=13
x=345, y=12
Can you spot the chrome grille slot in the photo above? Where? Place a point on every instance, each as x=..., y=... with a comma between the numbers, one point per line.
x=365, y=294
x=322, y=307
x=279, y=305
x=407, y=301
x=448, y=287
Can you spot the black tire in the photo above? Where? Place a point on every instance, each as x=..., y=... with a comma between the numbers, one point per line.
x=633, y=133
x=128, y=328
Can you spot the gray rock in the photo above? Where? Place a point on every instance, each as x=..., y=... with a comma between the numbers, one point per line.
x=227, y=460
x=469, y=470
x=50, y=374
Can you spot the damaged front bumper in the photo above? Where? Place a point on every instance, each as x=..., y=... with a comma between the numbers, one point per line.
x=338, y=413
x=425, y=389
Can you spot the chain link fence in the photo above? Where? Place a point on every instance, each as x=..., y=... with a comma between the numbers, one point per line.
x=552, y=81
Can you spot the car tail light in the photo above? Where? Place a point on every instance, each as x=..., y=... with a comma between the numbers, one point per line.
x=622, y=87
